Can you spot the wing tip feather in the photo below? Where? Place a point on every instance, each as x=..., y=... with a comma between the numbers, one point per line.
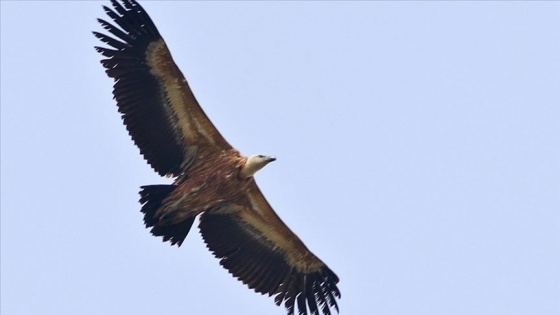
x=305, y=292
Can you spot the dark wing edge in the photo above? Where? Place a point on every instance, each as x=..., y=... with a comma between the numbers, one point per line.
x=265, y=266
x=139, y=95
x=155, y=111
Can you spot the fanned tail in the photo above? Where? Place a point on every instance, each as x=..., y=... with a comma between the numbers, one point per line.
x=163, y=224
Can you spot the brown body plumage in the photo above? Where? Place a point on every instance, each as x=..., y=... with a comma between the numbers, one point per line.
x=211, y=175
x=177, y=139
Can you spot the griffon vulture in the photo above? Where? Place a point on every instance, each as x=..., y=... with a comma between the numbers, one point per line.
x=178, y=140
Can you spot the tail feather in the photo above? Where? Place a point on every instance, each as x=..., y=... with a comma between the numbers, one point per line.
x=151, y=198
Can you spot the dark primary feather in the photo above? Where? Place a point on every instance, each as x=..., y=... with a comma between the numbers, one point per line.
x=257, y=262
x=140, y=96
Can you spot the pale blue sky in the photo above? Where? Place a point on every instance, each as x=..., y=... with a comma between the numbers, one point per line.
x=418, y=149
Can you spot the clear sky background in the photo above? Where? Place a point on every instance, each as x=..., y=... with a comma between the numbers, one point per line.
x=418, y=149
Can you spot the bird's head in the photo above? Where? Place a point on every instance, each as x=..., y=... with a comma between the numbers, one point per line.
x=254, y=163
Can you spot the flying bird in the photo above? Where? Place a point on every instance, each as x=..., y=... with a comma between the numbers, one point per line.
x=212, y=179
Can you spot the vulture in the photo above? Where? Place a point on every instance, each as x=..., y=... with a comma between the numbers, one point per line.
x=211, y=178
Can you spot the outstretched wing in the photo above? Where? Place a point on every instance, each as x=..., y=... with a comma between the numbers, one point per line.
x=256, y=247
x=157, y=105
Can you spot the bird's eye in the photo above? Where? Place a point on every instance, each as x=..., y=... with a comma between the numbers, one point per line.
x=260, y=156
